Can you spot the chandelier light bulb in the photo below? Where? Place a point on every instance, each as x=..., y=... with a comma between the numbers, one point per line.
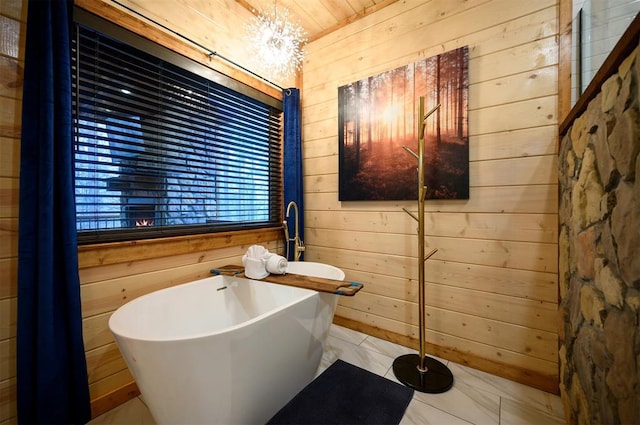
x=276, y=43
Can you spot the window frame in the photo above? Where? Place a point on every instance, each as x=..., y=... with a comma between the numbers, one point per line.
x=111, y=29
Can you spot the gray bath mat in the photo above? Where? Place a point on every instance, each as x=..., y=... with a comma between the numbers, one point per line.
x=346, y=394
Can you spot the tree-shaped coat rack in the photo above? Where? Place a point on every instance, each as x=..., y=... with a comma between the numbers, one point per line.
x=418, y=371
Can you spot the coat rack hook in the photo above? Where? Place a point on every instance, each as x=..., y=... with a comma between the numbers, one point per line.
x=430, y=254
x=411, y=152
x=411, y=214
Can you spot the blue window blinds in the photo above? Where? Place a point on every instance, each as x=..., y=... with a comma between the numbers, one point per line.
x=161, y=150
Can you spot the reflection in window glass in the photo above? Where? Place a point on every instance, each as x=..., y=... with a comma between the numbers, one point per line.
x=597, y=27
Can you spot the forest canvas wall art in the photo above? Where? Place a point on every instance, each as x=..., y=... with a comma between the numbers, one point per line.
x=378, y=115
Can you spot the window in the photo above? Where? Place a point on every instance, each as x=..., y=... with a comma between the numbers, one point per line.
x=164, y=146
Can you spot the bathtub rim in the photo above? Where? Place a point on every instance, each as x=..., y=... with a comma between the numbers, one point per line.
x=314, y=264
x=226, y=281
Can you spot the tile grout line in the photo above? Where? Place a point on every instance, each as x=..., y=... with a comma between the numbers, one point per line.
x=448, y=363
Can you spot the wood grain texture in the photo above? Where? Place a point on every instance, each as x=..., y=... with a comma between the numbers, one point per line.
x=123, y=252
x=8, y=238
x=8, y=401
x=314, y=283
x=13, y=15
x=165, y=38
x=321, y=17
x=518, y=227
x=496, y=261
x=8, y=277
x=106, y=402
x=491, y=288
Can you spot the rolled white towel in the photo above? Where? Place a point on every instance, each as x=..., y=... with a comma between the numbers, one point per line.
x=277, y=264
x=254, y=268
x=257, y=252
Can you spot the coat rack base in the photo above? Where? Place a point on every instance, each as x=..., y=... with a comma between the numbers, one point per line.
x=436, y=379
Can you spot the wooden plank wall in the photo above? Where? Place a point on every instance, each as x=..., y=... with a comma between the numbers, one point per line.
x=13, y=15
x=491, y=289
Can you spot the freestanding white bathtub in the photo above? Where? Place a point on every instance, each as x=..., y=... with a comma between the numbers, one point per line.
x=225, y=350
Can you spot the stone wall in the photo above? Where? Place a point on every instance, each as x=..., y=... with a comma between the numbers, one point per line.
x=600, y=256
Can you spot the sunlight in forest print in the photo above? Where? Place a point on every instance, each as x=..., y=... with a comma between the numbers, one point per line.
x=390, y=114
x=378, y=116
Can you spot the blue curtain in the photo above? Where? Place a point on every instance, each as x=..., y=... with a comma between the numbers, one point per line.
x=292, y=159
x=52, y=385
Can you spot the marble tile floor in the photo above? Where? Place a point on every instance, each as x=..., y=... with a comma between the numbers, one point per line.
x=476, y=397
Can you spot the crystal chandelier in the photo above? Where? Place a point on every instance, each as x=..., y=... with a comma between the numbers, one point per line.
x=276, y=43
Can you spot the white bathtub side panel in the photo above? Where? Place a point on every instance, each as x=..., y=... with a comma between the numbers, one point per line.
x=274, y=361
x=243, y=376
x=170, y=373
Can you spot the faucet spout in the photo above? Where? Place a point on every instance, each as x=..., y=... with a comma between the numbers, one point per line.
x=295, y=211
x=298, y=244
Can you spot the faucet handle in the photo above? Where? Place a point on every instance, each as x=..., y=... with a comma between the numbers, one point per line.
x=298, y=248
